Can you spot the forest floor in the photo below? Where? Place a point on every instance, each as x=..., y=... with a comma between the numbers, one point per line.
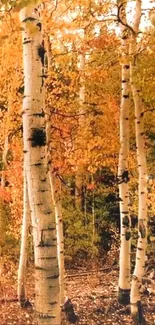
x=93, y=292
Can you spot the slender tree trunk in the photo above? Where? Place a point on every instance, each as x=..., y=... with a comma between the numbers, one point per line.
x=123, y=178
x=136, y=308
x=79, y=177
x=4, y=159
x=93, y=211
x=22, y=298
x=6, y=147
x=47, y=304
x=56, y=197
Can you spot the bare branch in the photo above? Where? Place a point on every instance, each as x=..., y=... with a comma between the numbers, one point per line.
x=119, y=19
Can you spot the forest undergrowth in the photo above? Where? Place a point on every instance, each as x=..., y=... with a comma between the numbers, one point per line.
x=92, y=286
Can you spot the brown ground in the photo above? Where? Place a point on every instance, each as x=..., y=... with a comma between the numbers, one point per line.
x=93, y=293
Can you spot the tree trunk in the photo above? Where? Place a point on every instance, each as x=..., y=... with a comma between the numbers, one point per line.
x=136, y=308
x=6, y=147
x=93, y=211
x=24, y=245
x=123, y=178
x=56, y=192
x=56, y=197
x=47, y=304
x=4, y=159
x=79, y=178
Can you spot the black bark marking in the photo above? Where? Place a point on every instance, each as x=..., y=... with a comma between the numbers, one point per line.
x=28, y=19
x=49, y=162
x=27, y=42
x=126, y=96
x=139, y=318
x=124, y=37
x=48, y=212
x=42, y=114
x=45, y=316
x=41, y=53
x=44, y=76
x=126, y=66
x=127, y=235
x=42, y=244
x=47, y=258
x=124, y=178
x=37, y=164
x=125, y=221
x=38, y=204
x=53, y=303
x=124, y=296
x=55, y=276
x=142, y=229
x=38, y=137
x=21, y=90
x=40, y=268
x=39, y=25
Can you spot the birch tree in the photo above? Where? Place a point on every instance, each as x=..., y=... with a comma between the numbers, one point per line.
x=123, y=178
x=47, y=304
x=79, y=177
x=55, y=190
x=56, y=193
x=136, y=308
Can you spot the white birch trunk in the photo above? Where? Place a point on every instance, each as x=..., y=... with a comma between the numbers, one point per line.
x=136, y=308
x=47, y=304
x=79, y=176
x=22, y=298
x=125, y=221
x=6, y=147
x=82, y=80
x=56, y=197
x=56, y=193
x=93, y=211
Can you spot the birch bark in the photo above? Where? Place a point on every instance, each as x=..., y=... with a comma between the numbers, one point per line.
x=123, y=178
x=56, y=192
x=56, y=195
x=136, y=308
x=6, y=145
x=47, y=304
x=79, y=178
